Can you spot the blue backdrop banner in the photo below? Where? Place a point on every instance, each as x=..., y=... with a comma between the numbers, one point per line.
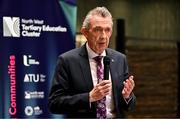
x=32, y=35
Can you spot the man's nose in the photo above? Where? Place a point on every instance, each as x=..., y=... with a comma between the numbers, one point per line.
x=103, y=33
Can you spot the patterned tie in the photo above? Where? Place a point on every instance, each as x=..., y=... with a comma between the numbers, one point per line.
x=101, y=104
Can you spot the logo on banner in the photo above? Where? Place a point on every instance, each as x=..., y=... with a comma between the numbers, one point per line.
x=28, y=60
x=12, y=80
x=34, y=95
x=16, y=27
x=34, y=78
x=29, y=110
x=11, y=27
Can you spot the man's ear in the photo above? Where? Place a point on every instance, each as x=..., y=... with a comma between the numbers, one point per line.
x=84, y=31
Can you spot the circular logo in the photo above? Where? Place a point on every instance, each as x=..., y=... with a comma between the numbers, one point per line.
x=28, y=110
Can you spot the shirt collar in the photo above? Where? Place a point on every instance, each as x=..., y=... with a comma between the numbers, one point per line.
x=92, y=54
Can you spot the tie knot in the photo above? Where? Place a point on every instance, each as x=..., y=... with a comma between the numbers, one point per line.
x=98, y=59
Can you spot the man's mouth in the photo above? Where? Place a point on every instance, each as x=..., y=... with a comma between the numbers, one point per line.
x=102, y=43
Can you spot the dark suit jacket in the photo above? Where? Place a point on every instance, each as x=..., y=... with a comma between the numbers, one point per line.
x=72, y=83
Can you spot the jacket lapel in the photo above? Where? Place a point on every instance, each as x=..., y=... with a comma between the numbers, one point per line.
x=85, y=67
x=112, y=63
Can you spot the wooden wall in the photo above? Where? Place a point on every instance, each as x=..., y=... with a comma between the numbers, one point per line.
x=155, y=71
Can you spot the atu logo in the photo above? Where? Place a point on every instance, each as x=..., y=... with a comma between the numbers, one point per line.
x=28, y=60
x=11, y=27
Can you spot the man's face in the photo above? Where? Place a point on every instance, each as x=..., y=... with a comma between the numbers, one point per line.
x=99, y=33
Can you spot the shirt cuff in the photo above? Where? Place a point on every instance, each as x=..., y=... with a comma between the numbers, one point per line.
x=89, y=102
x=127, y=100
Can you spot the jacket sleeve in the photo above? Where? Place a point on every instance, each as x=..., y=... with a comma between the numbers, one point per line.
x=130, y=105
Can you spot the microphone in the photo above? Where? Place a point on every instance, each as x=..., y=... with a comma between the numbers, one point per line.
x=106, y=62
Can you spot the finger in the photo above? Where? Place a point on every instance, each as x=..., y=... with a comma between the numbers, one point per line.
x=129, y=85
x=126, y=90
x=102, y=93
x=104, y=82
x=123, y=92
x=130, y=82
x=106, y=88
x=131, y=79
x=103, y=87
x=126, y=84
x=106, y=85
x=107, y=91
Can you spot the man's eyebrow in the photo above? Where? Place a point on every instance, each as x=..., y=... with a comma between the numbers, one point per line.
x=98, y=27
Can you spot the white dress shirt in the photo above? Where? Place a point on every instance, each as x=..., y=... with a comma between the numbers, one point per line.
x=93, y=66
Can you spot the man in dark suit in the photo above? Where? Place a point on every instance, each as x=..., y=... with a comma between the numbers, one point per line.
x=75, y=89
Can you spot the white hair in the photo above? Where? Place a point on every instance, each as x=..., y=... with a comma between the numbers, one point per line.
x=99, y=11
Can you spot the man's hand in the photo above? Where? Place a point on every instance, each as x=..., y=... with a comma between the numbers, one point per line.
x=128, y=87
x=100, y=90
